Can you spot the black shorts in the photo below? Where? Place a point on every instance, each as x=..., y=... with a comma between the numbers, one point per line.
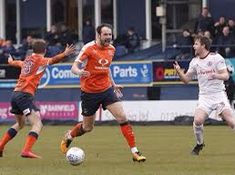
x=22, y=103
x=92, y=101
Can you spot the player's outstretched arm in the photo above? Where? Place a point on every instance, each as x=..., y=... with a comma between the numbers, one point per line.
x=70, y=49
x=15, y=63
x=184, y=77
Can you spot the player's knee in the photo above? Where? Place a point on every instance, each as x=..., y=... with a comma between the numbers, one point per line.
x=231, y=124
x=37, y=123
x=21, y=125
x=121, y=119
x=88, y=128
x=40, y=125
x=198, y=122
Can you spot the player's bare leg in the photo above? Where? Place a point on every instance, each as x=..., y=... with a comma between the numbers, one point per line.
x=117, y=110
x=81, y=128
x=11, y=133
x=199, y=119
x=35, y=121
x=227, y=115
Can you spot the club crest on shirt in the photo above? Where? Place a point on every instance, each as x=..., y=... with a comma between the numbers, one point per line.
x=209, y=63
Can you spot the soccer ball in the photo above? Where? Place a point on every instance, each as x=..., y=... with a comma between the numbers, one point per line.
x=75, y=156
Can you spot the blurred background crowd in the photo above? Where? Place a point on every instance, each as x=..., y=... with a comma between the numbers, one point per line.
x=132, y=39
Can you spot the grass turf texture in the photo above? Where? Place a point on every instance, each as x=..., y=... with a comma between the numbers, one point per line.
x=167, y=149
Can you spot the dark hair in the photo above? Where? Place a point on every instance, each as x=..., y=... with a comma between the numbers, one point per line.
x=204, y=41
x=131, y=29
x=99, y=28
x=39, y=46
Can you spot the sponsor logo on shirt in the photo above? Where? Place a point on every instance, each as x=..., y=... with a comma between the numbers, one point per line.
x=205, y=72
x=103, y=64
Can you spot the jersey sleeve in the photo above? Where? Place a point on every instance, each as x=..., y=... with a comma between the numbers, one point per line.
x=192, y=68
x=220, y=63
x=44, y=61
x=83, y=55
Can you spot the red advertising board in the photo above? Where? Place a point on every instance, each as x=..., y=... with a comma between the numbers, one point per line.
x=164, y=72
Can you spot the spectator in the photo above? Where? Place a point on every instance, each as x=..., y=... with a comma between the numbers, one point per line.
x=229, y=85
x=7, y=49
x=184, y=44
x=133, y=40
x=212, y=40
x=65, y=36
x=208, y=35
x=204, y=22
x=26, y=47
x=88, y=32
x=224, y=43
x=52, y=37
x=231, y=25
x=219, y=25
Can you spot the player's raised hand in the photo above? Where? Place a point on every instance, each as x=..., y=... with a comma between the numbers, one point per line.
x=10, y=59
x=176, y=66
x=70, y=49
x=117, y=90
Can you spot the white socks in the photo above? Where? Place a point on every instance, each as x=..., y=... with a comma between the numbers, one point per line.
x=134, y=150
x=198, y=132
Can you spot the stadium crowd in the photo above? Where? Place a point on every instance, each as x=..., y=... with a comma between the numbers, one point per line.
x=221, y=34
x=57, y=38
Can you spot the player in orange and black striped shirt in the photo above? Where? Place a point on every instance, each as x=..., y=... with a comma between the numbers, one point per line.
x=32, y=69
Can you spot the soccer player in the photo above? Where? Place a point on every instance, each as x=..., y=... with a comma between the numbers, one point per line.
x=98, y=88
x=211, y=71
x=32, y=69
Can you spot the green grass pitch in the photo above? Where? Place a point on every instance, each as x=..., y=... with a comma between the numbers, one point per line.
x=167, y=149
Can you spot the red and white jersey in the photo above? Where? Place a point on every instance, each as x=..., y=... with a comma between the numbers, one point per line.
x=203, y=68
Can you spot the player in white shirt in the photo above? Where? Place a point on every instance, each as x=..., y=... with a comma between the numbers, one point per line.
x=211, y=72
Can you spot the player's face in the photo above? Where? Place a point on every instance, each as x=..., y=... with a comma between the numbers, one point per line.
x=198, y=48
x=105, y=36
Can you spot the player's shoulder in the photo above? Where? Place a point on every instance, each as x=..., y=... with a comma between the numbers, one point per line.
x=89, y=45
x=34, y=56
x=194, y=60
x=36, y=60
x=112, y=47
x=215, y=55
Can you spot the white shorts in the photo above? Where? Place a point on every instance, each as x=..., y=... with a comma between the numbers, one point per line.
x=217, y=101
